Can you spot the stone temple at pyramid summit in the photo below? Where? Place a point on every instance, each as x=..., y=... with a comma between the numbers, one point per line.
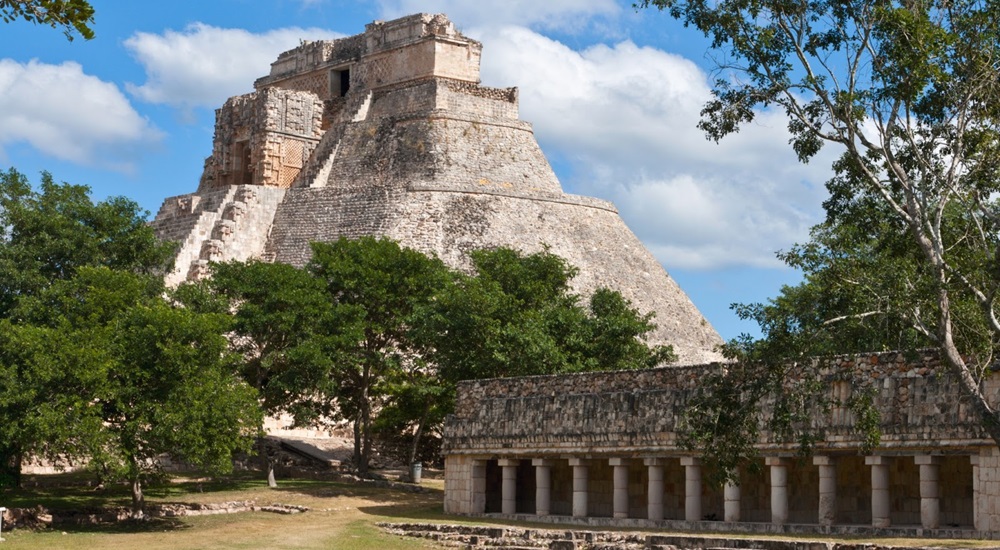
x=389, y=133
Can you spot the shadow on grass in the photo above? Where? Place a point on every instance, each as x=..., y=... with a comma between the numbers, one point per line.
x=331, y=489
x=429, y=511
x=149, y=525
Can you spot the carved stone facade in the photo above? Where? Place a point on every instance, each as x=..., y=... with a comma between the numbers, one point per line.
x=389, y=133
x=603, y=449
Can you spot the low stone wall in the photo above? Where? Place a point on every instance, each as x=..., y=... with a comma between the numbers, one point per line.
x=519, y=537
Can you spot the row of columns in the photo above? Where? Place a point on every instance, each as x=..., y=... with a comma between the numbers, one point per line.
x=930, y=511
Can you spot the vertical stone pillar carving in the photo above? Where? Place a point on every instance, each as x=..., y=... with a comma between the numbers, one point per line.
x=543, y=485
x=620, y=499
x=508, y=495
x=478, y=487
x=580, y=486
x=731, y=506
x=692, y=488
x=779, y=489
x=654, y=491
x=827, y=489
x=930, y=503
x=880, y=490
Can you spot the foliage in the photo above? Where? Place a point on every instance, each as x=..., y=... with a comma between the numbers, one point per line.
x=283, y=322
x=380, y=287
x=909, y=252
x=517, y=316
x=379, y=334
x=284, y=330
x=132, y=376
x=71, y=15
x=46, y=236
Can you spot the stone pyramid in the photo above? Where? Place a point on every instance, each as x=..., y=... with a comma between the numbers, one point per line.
x=389, y=133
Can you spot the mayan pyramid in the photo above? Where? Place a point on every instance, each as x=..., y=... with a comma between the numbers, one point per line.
x=389, y=133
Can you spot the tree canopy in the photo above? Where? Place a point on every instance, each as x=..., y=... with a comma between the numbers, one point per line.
x=70, y=15
x=910, y=250
x=118, y=375
x=46, y=236
x=100, y=363
x=379, y=334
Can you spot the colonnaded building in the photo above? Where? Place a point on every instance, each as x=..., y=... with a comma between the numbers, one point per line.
x=389, y=133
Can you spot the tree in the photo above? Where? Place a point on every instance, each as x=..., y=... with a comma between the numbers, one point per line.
x=139, y=376
x=71, y=15
x=379, y=287
x=46, y=236
x=908, y=91
x=517, y=316
x=285, y=326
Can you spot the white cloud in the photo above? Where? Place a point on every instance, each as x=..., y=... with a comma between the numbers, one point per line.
x=70, y=115
x=625, y=118
x=202, y=65
x=550, y=14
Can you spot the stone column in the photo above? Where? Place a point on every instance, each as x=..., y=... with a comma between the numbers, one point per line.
x=731, y=509
x=509, y=491
x=543, y=485
x=620, y=501
x=692, y=488
x=580, y=478
x=930, y=503
x=880, y=490
x=654, y=491
x=478, y=487
x=779, y=489
x=827, y=489
x=976, y=494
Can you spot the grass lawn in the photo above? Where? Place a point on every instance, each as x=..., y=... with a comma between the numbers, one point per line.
x=341, y=516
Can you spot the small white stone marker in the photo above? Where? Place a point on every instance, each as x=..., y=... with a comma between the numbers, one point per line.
x=2, y=510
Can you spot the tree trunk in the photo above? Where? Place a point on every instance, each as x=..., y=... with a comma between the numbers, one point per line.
x=357, y=442
x=16, y=467
x=415, y=447
x=953, y=358
x=138, y=500
x=366, y=438
x=268, y=462
x=365, y=411
x=271, y=482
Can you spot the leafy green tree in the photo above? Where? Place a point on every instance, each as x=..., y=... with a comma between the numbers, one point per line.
x=384, y=286
x=286, y=330
x=46, y=235
x=144, y=377
x=517, y=316
x=71, y=15
x=907, y=91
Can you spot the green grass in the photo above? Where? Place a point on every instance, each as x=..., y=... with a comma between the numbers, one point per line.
x=341, y=516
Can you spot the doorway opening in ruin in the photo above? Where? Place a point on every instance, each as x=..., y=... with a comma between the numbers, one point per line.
x=242, y=167
x=340, y=82
x=494, y=485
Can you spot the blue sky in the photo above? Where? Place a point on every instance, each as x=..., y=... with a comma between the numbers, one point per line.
x=613, y=95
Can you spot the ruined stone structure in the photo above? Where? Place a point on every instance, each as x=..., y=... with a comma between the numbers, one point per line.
x=602, y=449
x=389, y=133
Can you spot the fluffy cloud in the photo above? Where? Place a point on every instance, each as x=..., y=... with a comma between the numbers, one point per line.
x=70, y=115
x=625, y=117
x=550, y=14
x=203, y=65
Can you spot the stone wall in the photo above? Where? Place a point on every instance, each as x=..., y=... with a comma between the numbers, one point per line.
x=920, y=404
x=263, y=138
